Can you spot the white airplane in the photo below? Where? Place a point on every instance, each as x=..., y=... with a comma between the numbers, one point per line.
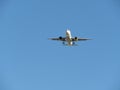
x=69, y=40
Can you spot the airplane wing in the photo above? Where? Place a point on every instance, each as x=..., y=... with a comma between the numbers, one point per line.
x=59, y=39
x=80, y=39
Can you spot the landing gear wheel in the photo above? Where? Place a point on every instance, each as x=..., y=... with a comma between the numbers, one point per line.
x=73, y=43
x=64, y=43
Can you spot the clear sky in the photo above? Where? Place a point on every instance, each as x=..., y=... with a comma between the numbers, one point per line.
x=29, y=61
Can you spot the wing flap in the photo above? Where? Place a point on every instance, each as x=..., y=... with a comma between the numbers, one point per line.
x=59, y=39
x=80, y=39
x=83, y=39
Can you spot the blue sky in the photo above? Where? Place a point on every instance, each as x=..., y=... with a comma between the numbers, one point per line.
x=29, y=61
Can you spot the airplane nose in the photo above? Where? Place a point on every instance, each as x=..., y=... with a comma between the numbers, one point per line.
x=68, y=30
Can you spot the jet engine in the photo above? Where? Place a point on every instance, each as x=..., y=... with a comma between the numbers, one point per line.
x=60, y=38
x=76, y=38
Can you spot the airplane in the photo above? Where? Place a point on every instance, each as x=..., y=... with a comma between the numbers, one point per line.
x=69, y=40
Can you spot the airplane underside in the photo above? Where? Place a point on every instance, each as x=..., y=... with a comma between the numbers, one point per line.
x=69, y=43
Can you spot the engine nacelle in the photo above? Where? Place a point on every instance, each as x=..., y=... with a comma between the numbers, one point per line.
x=60, y=38
x=76, y=38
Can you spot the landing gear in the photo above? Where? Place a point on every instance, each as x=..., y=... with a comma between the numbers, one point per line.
x=63, y=43
x=73, y=43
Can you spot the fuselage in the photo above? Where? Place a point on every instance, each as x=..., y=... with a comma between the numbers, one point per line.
x=68, y=38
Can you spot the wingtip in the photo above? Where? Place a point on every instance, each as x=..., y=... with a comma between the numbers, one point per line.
x=90, y=39
x=49, y=38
